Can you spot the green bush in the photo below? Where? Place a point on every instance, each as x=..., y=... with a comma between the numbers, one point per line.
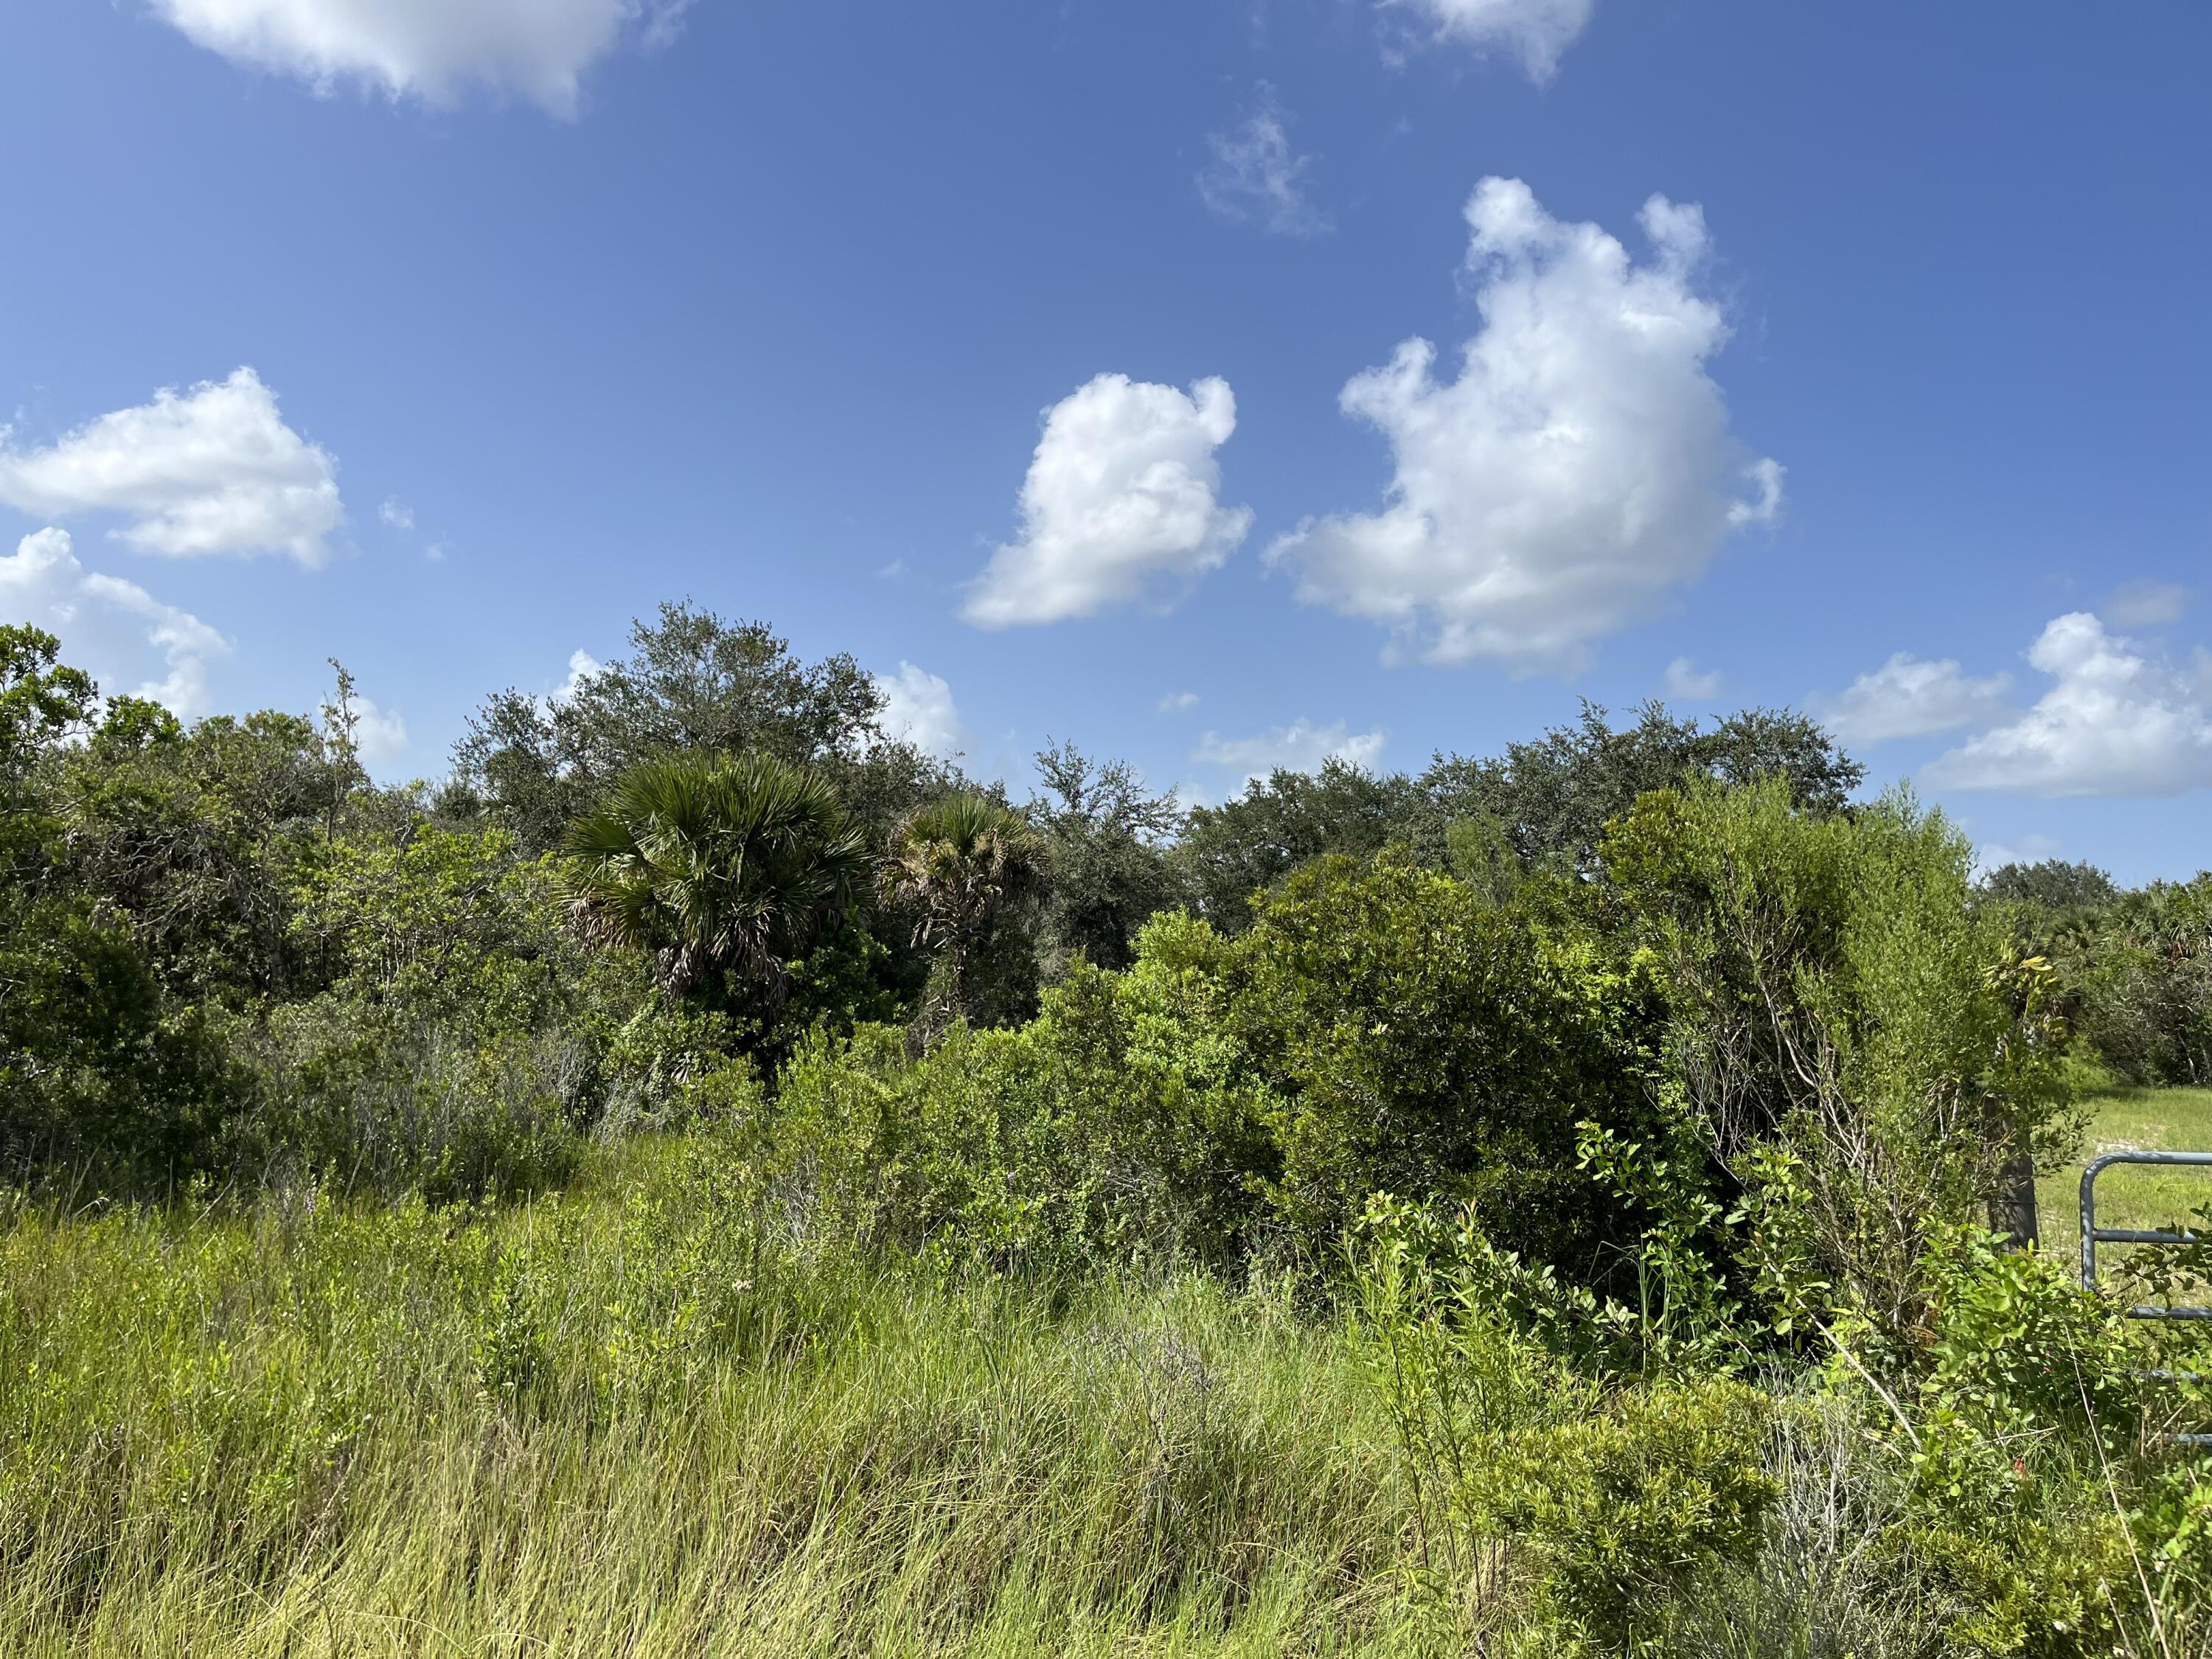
x=101, y=1074
x=1843, y=1017
x=1115, y=1127
x=1379, y=1027
x=375, y=1101
x=1626, y=1507
x=2147, y=990
x=1416, y=1040
x=2032, y=1589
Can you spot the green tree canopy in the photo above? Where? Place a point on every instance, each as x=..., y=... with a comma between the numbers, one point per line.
x=1108, y=838
x=2052, y=884
x=1287, y=819
x=692, y=683
x=1553, y=797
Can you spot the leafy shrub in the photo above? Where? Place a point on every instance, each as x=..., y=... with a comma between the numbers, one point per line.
x=1379, y=1027
x=1626, y=1507
x=2147, y=998
x=1113, y=1126
x=100, y=1073
x=1416, y=1040
x=101, y=1069
x=2032, y=1589
x=1837, y=1002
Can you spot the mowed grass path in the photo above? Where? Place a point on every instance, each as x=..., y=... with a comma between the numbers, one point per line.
x=2149, y=1120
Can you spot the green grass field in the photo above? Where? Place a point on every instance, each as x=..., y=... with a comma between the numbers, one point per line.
x=612, y=1423
x=626, y=1420
x=2150, y=1120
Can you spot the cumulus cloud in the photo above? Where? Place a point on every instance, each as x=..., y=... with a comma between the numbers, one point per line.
x=434, y=50
x=918, y=708
x=123, y=635
x=582, y=665
x=396, y=514
x=1534, y=31
x=1685, y=681
x=1176, y=703
x=214, y=469
x=1120, y=499
x=2116, y=721
x=1301, y=746
x=1909, y=696
x=380, y=733
x=1579, y=469
x=1254, y=177
x=2145, y=605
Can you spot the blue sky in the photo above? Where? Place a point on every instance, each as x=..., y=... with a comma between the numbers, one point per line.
x=768, y=303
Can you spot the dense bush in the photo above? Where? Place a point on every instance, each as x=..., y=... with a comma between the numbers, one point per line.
x=1121, y=1124
x=1379, y=1027
x=1867, y=1055
x=2147, y=1006
x=102, y=1069
x=1419, y=1040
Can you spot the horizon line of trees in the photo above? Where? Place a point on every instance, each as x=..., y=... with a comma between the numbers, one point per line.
x=710, y=850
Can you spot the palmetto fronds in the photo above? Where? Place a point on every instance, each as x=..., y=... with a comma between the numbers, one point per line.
x=715, y=864
x=959, y=862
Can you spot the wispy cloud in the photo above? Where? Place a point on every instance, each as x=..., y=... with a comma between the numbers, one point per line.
x=1255, y=177
x=1301, y=746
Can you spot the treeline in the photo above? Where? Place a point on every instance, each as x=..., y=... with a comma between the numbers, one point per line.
x=229, y=955
x=2139, y=963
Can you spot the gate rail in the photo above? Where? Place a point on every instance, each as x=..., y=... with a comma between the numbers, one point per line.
x=2092, y=1236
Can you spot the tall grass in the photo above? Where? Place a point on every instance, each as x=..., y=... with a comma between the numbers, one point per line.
x=635, y=1421
x=658, y=1413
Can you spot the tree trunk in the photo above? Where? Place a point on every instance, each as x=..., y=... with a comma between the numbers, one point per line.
x=2012, y=1206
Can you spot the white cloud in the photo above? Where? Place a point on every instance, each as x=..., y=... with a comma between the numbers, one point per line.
x=1909, y=696
x=1256, y=176
x=1176, y=703
x=2145, y=605
x=2116, y=722
x=114, y=629
x=1301, y=746
x=1119, y=497
x=582, y=665
x=434, y=50
x=918, y=708
x=214, y=469
x=1535, y=31
x=1684, y=682
x=380, y=733
x=1579, y=469
x=397, y=515
x=1990, y=856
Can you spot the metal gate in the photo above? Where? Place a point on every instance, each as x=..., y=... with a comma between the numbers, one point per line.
x=2092, y=1236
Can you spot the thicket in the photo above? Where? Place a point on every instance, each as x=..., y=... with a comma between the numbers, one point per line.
x=716, y=1168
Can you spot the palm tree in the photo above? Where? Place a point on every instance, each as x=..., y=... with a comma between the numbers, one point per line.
x=716, y=866
x=962, y=861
